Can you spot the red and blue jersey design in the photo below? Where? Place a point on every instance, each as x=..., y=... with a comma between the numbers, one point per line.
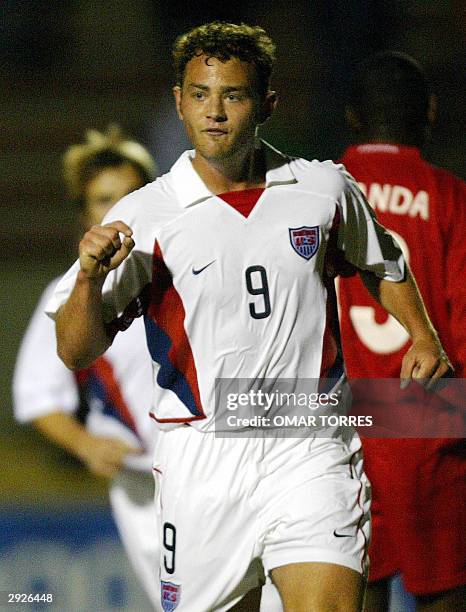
x=234, y=294
x=101, y=391
x=167, y=340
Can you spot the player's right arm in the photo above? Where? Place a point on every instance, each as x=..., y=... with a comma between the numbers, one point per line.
x=82, y=335
x=102, y=456
x=46, y=394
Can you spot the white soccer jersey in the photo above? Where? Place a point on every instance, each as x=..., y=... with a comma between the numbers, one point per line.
x=234, y=296
x=117, y=387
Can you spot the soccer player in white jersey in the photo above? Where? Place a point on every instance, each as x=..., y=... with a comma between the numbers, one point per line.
x=228, y=257
x=118, y=437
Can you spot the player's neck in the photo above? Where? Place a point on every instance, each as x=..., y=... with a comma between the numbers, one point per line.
x=244, y=171
x=400, y=139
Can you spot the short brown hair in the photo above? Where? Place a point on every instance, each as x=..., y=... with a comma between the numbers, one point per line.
x=223, y=41
x=109, y=149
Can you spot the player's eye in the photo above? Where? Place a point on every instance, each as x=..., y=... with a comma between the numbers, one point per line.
x=233, y=97
x=199, y=95
x=104, y=200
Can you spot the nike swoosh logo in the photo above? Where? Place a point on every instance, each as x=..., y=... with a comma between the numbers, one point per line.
x=342, y=535
x=202, y=269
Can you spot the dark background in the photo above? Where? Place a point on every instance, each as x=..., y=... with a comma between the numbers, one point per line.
x=68, y=66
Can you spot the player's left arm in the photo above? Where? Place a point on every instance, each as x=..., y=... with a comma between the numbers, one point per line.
x=425, y=360
x=377, y=257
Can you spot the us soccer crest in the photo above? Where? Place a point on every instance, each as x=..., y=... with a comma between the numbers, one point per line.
x=305, y=240
x=170, y=595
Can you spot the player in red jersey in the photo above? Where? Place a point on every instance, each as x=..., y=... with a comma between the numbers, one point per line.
x=419, y=486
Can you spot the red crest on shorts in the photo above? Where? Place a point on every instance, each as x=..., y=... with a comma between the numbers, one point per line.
x=170, y=595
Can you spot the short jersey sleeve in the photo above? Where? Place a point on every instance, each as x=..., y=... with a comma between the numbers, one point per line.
x=365, y=243
x=41, y=383
x=124, y=284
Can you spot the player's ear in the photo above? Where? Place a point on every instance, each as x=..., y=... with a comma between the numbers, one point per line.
x=352, y=119
x=268, y=105
x=177, y=95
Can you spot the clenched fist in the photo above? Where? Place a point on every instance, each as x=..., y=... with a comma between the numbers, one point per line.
x=102, y=249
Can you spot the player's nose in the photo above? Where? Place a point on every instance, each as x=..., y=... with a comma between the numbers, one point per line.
x=215, y=109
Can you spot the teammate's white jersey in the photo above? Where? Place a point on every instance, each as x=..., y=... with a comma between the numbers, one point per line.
x=117, y=387
x=234, y=296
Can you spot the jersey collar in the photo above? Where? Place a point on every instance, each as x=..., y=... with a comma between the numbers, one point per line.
x=278, y=167
x=188, y=185
x=190, y=188
x=384, y=148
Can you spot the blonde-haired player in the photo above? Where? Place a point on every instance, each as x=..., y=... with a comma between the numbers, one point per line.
x=117, y=439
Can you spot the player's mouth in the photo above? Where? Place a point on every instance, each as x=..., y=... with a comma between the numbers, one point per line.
x=215, y=131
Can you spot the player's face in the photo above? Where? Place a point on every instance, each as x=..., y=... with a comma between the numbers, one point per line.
x=106, y=188
x=220, y=106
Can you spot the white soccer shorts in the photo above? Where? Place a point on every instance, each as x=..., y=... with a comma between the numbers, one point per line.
x=232, y=508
